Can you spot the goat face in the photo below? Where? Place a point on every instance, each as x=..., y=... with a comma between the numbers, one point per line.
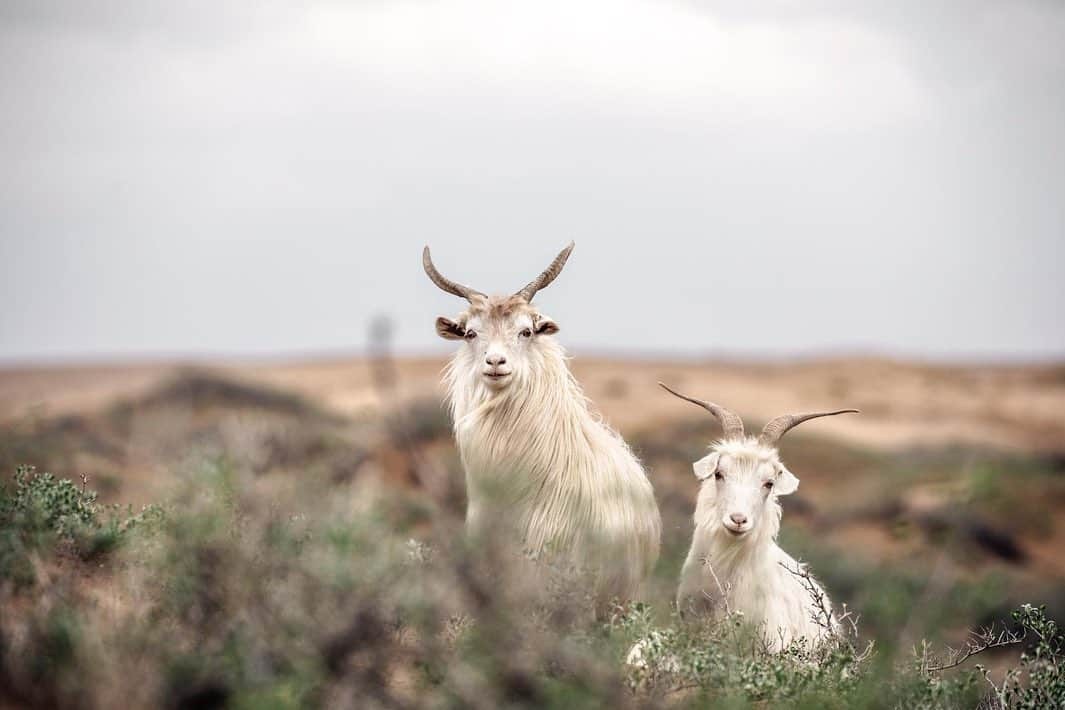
x=742, y=476
x=502, y=334
x=741, y=481
x=502, y=339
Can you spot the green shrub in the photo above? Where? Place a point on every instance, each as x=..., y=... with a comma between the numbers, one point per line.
x=41, y=512
x=1038, y=681
x=43, y=503
x=303, y=597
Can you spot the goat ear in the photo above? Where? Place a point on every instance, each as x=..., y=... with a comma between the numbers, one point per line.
x=786, y=483
x=545, y=326
x=449, y=329
x=705, y=467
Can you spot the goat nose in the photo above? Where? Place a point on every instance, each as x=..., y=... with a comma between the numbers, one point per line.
x=738, y=518
x=496, y=359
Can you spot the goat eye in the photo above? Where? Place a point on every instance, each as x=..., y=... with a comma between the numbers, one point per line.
x=525, y=333
x=471, y=334
x=768, y=485
x=718, y=476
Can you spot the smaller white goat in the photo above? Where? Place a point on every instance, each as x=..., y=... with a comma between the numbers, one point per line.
x=734, y=564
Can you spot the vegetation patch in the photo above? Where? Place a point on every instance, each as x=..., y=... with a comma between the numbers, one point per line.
x=335, y=597
x=41, y=514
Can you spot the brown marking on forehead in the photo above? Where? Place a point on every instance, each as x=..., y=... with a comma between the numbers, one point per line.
x=499, y=307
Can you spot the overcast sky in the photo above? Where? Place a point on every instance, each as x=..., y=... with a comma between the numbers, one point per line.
x=247, y=179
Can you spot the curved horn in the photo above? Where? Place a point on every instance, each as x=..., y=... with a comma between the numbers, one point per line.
x=443, y=282
x=779, y=426
x=730, y=422
x=548, y=275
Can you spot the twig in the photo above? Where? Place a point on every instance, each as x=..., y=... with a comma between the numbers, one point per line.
x=984, y=640
x=822, y=615
x=724, y=590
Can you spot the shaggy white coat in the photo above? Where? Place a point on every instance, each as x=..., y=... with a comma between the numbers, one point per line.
x=537, y=458
x=749, y=574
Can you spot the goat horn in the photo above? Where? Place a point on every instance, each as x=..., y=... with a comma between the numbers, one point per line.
x=730, y=422
x=443, y=282
x=779, y=426
x=544, y=279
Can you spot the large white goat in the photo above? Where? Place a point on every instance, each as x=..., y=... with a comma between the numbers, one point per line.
x=536, y=458
x=734, y=563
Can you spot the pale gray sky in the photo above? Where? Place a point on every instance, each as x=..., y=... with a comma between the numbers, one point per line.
x=238, y=178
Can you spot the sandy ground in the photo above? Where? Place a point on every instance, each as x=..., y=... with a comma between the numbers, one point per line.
x=903, y=404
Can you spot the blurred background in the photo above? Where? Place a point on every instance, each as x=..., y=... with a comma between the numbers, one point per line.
x=211, y=219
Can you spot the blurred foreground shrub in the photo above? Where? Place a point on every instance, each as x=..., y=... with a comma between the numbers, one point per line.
x=320, y=596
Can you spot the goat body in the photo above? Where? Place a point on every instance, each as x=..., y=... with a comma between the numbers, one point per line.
x=538, y=460
x=734, y=563
x=755, y=577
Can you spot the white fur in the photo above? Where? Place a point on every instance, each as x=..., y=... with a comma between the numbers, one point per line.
x=749, y=573
x=537, y=459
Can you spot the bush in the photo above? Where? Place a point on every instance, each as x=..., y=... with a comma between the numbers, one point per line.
x=41, y=512
x=1039, y=680
x=319, y=597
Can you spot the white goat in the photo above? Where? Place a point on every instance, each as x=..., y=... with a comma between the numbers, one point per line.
x=536, y=458
x=734, y=563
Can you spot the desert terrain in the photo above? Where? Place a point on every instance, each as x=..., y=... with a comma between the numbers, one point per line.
x=904, y=404
x=933, y=512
